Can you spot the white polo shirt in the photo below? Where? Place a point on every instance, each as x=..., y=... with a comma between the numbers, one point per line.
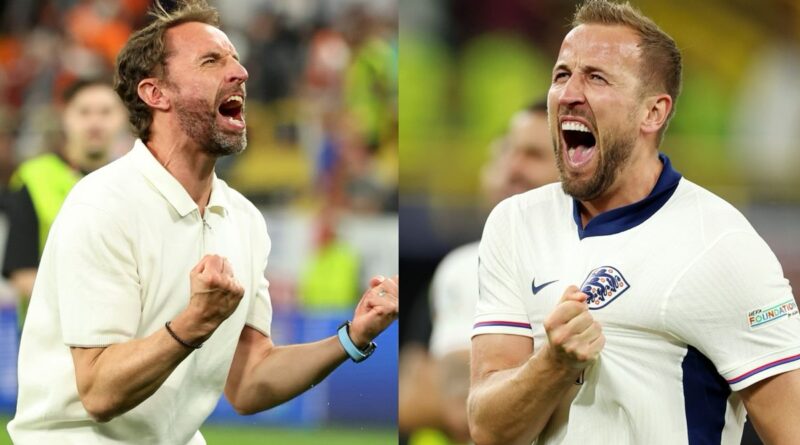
x=693, y=304
x=454, y=292
x=115, y=268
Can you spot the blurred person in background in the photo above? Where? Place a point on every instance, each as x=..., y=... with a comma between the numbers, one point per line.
x=331, y=276
x=153, y=257
x=93, y=118
x=702, y=321
x=435, y=383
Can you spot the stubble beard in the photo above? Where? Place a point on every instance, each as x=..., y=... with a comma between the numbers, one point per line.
x=198, y=119
x=610, y=162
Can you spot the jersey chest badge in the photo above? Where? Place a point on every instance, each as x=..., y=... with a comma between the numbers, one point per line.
x=604, y=285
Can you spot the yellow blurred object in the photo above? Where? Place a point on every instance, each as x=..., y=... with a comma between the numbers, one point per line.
x=429, y=437
x=271, y=163
x=330, y=280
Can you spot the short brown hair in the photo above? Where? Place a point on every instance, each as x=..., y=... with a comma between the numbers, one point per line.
x=145, y=55
x=661, y=64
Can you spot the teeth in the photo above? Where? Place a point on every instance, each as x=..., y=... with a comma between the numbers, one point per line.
x=235, y=98
x=575, y=126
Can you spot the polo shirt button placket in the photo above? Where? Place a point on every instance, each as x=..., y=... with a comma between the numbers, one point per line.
x=208, y=236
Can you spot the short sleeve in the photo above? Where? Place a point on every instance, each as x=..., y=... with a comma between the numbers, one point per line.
x=96, y=278
x=734, y=305
x=22, y=247
x=500, y=309
x=259, y=314
x=453, y=294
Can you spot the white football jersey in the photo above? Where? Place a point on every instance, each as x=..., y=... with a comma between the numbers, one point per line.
x=693, y=304
x=454, y=293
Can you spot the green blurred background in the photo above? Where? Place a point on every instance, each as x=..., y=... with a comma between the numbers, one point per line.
x=222, y=435
x=466, y=66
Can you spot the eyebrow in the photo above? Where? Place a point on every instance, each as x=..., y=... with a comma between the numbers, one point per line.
x=584, y=69
x=217, y=55
x=594, y=69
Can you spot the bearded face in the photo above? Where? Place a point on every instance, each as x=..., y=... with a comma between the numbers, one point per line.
x=199, y=119
x=595, y=107
x=577, y=144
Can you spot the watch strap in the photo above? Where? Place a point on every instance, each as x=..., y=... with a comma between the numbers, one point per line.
x=355, y=354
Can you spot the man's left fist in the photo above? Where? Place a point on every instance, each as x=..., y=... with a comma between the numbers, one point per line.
x=378, y=308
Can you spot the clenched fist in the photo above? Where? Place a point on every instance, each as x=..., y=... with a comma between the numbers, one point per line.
x=215, y=292
x=576, y=339
x=377, y=309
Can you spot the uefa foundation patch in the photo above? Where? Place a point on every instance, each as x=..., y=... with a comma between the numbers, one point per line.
x=603, y=285
x=760, y=317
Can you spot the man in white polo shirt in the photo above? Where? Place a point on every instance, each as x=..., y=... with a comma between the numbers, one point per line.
x=153, y=257
x=627, y=305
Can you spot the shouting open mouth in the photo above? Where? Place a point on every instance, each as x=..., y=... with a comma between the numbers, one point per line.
x=231, y=112
x=579, y=141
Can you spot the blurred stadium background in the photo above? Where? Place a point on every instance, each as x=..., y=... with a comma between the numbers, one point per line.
x=321, y=164
x=467, y=66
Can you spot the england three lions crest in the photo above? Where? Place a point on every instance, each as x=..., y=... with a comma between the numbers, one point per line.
x=604, y=285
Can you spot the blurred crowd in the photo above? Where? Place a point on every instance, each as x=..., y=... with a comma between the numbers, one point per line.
x=321, y=114
x=322, y=93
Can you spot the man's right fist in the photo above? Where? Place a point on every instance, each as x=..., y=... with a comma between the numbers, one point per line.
x=575, y=338
x=215, y=292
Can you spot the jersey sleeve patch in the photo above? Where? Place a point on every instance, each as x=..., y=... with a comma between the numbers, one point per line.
x=758, y=318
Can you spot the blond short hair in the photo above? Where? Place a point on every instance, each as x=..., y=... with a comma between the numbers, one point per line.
x=661, y=64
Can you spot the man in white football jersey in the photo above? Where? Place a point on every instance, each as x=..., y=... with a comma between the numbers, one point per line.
x=521, y=160
x=627, y=305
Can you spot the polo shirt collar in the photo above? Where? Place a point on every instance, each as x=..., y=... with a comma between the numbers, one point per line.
x=171, y=189
x=629, y=216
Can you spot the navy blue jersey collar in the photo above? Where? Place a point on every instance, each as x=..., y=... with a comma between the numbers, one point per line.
x=629, y=216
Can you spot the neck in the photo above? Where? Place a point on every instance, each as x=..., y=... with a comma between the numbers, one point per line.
x=185, y=160
x=636, y=180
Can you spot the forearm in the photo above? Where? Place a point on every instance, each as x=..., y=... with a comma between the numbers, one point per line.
x=513, y=406
x=22, y=280
x=283, y=373
x=122, y=376
x=420, y=399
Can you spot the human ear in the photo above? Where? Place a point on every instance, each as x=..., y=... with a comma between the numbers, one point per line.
x=657, y=109
x=152, y=94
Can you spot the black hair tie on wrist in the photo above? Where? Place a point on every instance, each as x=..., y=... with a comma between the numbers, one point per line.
x=179, y=340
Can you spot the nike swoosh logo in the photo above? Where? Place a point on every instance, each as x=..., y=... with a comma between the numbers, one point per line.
x=536, y=288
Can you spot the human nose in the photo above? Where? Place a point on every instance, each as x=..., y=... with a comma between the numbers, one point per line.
x=238, y=73
x=572, y=93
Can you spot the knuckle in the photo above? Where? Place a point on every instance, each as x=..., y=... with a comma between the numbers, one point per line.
x=558, y=338
x=548, y=324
